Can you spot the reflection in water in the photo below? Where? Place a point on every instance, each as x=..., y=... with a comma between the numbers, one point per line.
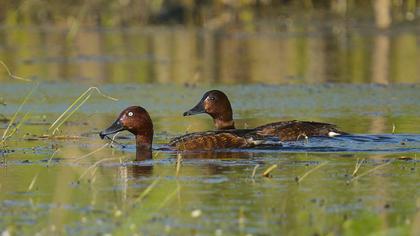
x=382, y=14
x=215, y=168
x=143, y=166
x=380, y=70
x=217, y=155
x=140, y=170
x=136, y=171
x=181, y=55
x=378, y=125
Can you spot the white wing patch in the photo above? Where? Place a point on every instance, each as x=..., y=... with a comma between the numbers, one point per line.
x=333, y=134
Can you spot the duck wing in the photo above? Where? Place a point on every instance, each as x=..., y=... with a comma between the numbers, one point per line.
x=295, y=130
x=212, y=140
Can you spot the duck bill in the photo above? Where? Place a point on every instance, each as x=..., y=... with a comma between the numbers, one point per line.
x=198, y=109
x=114, y=128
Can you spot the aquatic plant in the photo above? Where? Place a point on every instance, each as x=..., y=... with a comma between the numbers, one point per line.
x=12, y=75
x=54, y=127
x=10, y=129
x=300, y=179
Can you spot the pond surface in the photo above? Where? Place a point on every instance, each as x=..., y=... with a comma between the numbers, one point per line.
x=51, y=186
x=365, y=82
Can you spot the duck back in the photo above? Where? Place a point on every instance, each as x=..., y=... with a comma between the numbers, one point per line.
x=213, y=140
x=295, y=130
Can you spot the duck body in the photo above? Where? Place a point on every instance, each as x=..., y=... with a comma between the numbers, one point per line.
x=296, y=130
x=211, y=140
x=216, y=104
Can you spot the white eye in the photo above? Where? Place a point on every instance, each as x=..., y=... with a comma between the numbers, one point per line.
x=130, y=113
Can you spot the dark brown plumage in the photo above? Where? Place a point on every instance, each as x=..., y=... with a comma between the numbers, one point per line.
x=217, y=105
x=295, y=130
x=211, y=140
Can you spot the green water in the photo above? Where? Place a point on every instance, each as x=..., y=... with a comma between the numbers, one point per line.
x=61, y=195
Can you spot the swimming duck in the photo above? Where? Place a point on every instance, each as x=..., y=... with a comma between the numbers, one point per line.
x=216, y=104
x=137, y=121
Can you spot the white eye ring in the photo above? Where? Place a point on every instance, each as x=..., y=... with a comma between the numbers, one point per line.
x=130, y=113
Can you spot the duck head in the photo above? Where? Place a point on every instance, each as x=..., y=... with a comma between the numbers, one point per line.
x=136, y=120
x=217, y=105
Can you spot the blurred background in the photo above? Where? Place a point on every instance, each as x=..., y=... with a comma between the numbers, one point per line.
x=203, y=41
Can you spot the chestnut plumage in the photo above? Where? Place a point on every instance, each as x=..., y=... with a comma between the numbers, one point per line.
x=216, y=104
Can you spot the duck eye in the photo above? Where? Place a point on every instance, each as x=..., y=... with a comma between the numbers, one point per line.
x=130, y=113
x=212, y=98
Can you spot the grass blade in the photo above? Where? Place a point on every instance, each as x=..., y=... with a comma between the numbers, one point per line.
x=370, y=171
x=12, y=75
x=75, y=106
x=298, y=180
x=12, y=120
x=268, y=171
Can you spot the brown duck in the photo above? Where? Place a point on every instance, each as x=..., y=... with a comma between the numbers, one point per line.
x=137, y=121
x=216, y=104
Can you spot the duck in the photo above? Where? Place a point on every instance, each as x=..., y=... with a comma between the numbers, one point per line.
x=136, y=120
x=216, y=104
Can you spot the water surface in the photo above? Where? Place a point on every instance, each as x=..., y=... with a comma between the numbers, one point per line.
x=46, y=188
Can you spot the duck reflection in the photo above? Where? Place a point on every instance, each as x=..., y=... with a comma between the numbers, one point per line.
x=139, y=168
x=205, y=164
x=220, y=155
x=217, y=167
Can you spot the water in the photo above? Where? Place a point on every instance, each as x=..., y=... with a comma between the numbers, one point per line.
x=365, y=82
x=314, y=53
x=84, y=198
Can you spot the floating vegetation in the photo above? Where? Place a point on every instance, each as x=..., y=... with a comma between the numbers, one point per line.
x=267, y=172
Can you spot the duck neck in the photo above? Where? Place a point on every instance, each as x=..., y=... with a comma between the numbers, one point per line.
x=142, y=155
x=222, y=124
x=144, y=146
